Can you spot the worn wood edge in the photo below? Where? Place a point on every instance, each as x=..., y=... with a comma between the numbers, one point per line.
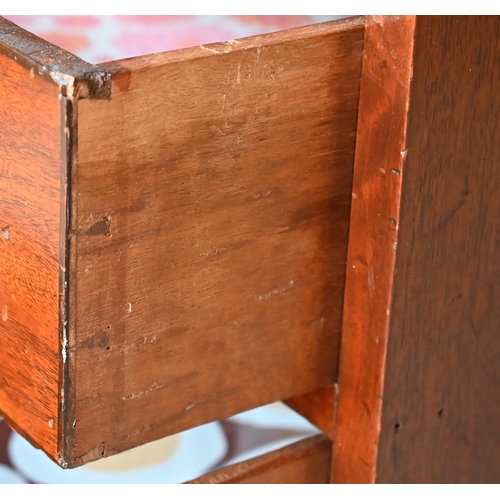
x=68, y=134
x=378, y=171
x=318, y=407
x=220, y=48
x=248, y=469
x=58, y=66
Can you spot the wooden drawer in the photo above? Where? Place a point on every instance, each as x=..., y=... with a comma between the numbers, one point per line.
x=175, y=232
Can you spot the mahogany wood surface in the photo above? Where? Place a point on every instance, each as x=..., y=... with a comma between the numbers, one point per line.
x=441, y=405
x=381, y=153
x=31, y=159
x=304, y=462
x=318, y=407
x=210, y=203
x=38, y=82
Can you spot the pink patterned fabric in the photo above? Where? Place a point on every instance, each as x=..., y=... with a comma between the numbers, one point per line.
x=103, y=38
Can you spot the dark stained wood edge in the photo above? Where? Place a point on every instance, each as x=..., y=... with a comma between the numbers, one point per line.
x=318, y=407
x=318, y=447
x=268, y=39
x=68, y=129
x=53, y=63
x=373, y=239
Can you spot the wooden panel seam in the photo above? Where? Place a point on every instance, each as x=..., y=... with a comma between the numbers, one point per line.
x=304, y=462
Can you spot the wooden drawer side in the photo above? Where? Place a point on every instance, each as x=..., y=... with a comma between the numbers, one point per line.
x=30, y=198
x=38, y=84
x=211, y=196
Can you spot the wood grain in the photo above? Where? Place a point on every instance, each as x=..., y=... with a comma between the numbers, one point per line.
x=373, y=239
x=318, y=407
x=31, y=162
x=304, y=462
x=210, y=209
x=442, y=397
x=38, y=84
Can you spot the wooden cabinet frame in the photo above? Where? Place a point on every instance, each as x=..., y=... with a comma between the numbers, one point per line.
x=308, y=216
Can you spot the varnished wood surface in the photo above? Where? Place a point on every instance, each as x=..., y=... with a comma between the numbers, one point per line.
x=31, y=161
x=381, y=152
x=318, y=407
x=210, y=214
x=442, y=394
x=39, y=82
x=304, y=462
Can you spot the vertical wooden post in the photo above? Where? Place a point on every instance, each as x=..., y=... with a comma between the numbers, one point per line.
x=419, y=399
x=441, y=409
x=378, y=172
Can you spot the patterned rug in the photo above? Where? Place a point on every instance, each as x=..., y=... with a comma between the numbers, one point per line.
x=104, y=38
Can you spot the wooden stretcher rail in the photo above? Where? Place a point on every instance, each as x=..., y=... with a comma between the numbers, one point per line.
x=304, y=462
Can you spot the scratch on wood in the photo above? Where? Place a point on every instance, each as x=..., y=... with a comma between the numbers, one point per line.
x=213, y=252
x=367, y=409
x=210, y=50
x=140, y=394
x=138, y=431
x=275, y=291
x=371, y=282
x=137, y=345
x=5, y=313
